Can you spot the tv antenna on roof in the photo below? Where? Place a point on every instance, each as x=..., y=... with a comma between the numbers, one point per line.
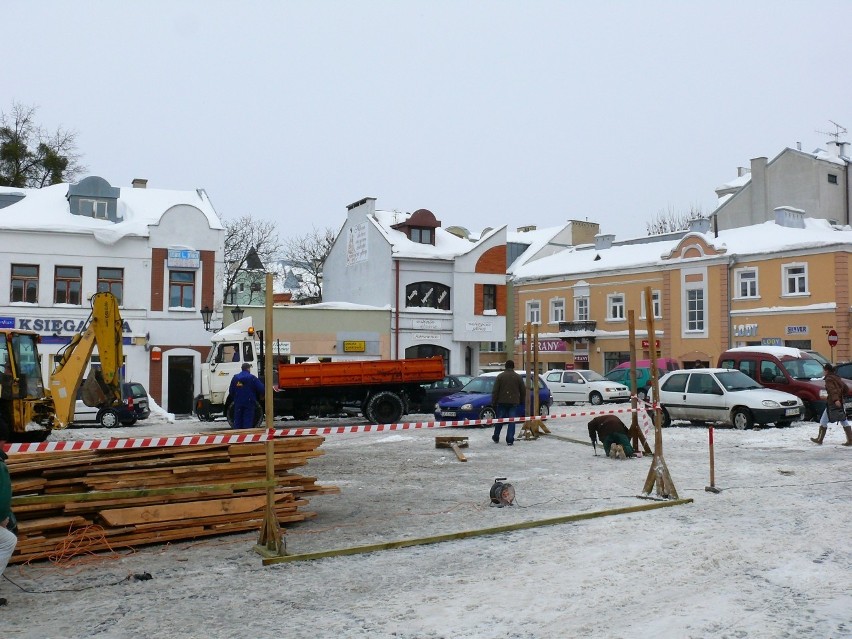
x=839, y=130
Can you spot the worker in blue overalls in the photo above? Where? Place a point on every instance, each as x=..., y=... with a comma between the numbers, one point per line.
x=245, y=391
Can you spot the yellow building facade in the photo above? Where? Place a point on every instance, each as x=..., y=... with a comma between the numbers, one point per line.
x=766, y=284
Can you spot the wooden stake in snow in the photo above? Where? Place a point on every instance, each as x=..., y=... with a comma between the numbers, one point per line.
x=712, y=487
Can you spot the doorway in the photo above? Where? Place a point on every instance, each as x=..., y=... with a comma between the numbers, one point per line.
x=181, y=384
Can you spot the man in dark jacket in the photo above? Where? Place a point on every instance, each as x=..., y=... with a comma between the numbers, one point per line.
x=835, y=388
x=245, y=391
x=8, y=540
x=506, y=396
x=610, y=430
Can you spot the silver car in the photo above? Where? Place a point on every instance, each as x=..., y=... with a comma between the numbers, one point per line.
x=724, y=395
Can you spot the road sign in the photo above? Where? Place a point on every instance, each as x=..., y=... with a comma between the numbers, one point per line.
x=832, y=338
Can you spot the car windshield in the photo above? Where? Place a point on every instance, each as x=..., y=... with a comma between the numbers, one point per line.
x=592, y=376
x=804, y=368
x=479, y=385
x=734, y=380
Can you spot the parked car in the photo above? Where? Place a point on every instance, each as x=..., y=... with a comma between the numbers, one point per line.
x=474, y=400
x=621, y=373
x=584, y=386
x=822, y=359
x=436, y=390
x=134, y=407
x=785, y=369
x=724, y=395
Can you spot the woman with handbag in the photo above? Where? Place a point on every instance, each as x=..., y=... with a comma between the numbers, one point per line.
x=834, y=411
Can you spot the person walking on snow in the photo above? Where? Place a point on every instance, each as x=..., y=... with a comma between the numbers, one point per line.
x=245, y=391
x=836, y=390
x=506, y=396
x=8, y=540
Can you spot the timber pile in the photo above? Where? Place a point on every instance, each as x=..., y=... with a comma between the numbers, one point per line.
x=195, y=493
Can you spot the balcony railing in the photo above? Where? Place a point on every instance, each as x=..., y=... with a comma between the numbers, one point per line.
x=581, y=326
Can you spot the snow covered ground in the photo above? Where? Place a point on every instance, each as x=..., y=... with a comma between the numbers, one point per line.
x=768, y=557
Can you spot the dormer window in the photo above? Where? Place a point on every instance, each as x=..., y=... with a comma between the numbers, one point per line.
x=94, y=208
x=421, y=235
x=420, y=227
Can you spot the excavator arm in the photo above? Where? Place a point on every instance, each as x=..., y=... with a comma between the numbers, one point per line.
x=103, y=387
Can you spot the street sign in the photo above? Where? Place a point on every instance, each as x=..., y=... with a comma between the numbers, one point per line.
x=832, y=338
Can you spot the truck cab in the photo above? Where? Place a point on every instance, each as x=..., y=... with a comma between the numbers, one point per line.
x=230, y=347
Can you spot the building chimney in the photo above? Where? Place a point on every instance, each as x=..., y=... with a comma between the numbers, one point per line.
x=139, y=183
x=700, y=225
x=526, y=229
x=604, y=241
x=759, y=196
x=741, y=171
x=789, y=217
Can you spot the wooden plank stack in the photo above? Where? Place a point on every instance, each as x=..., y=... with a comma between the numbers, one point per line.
x=195, y=493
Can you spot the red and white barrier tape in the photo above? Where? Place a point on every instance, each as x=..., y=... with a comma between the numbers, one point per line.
x=245, y=438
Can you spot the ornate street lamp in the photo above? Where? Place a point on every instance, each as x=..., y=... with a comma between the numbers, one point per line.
x=237, y=313
x=206, y=315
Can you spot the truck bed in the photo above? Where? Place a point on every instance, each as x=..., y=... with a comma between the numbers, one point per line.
x=326, y=374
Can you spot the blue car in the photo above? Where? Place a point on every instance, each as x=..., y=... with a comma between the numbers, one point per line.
x=473, y=401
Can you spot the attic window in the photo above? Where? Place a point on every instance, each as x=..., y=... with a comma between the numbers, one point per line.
x=832, y=178
x=421, y=235
x=94, y=208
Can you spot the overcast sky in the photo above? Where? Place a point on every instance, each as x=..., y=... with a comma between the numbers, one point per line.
x=486, y=113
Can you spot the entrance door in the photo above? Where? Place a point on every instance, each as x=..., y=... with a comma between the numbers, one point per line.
x=181, y=384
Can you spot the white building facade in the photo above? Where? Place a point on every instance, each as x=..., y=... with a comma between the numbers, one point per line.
x=160, y=252
x=447, y=293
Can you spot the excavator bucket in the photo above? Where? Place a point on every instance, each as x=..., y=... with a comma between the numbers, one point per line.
x=94, y=391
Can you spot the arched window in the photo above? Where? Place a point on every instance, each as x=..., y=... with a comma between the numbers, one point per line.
x=427, y=295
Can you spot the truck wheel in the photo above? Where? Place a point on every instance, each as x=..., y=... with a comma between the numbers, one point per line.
x=258, y=415
x=384, y=407
x=108, y=418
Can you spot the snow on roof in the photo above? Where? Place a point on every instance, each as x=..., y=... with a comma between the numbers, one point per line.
x=536, y=240
x=48, y=208
x=777, y=351
x=758, y=239
x=447, y=245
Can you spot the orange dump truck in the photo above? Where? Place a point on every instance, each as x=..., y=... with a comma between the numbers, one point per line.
x=380, y=389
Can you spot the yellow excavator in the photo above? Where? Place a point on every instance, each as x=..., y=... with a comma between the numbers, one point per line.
x=28, y=410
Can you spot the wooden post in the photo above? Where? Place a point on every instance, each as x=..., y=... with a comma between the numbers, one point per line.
x=712, y=487
x=636, y=433
x=658, y=474
x=270, y=540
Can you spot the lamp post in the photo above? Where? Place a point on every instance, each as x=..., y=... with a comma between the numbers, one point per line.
x=237, y=313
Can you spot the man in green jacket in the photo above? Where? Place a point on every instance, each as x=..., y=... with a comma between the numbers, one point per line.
x=8, y=540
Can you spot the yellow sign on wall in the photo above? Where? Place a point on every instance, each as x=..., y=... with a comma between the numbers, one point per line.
x=354, y=346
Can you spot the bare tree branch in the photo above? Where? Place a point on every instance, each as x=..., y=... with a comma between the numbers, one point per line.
x=243, y=234
x=307, y=253
x=670, y=221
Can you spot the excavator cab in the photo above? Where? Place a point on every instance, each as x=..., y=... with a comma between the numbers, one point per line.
x=26, y=412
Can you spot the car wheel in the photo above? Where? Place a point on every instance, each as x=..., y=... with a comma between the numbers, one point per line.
x=596, y=398
x=665, y=419
x=487, y=413
x=642, y=394
x=108, y=418
x=129, y=422
x=783, y=424
x=741, y=419
x=543, y=410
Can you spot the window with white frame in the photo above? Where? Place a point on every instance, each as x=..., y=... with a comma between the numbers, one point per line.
x=615, y=306
x=94, y=208
x=557, y=310
x=581, y=309
x=795, y=279
x=747, y=282
x=655, y=302
x=534, y=312
x=695, y=310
